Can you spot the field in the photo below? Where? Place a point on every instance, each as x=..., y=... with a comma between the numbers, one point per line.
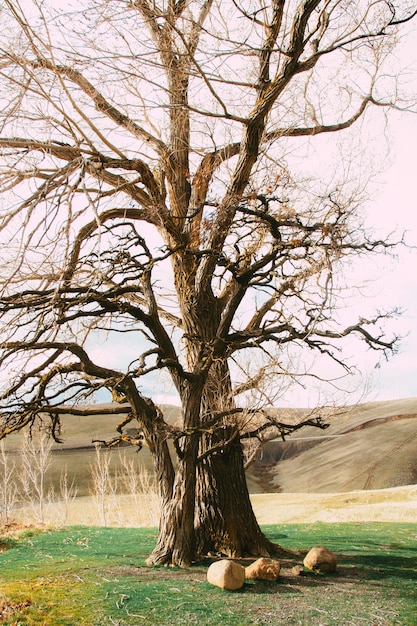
x=85, y=563
x=366, y=447
x=398, y=504
x=97, y=577
x=308, y=478
x=362, y=467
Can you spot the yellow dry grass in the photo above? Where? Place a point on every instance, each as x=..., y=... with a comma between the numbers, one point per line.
x=398, y=504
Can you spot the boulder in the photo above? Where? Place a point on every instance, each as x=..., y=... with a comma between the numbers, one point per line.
x=263, y=569
x=226, y=575
x=321, y=560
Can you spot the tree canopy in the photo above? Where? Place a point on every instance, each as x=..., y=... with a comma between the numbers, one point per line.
x=153, y=189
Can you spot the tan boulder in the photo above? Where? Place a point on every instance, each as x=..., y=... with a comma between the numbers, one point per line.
x=263, y=569
x=320, y=559
x=226, y=575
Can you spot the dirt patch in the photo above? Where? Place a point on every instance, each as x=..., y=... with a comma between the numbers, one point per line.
x=5, y=544
x=14, y=529
x=124, y=570
x=346, y=576
x=8, y=609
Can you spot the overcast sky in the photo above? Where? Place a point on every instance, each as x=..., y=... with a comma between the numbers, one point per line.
x=396, y=207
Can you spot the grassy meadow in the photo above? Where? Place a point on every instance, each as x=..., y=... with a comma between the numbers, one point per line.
x=73, y=552
x=98, y=577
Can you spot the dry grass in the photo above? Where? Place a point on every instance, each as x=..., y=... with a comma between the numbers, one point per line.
x=141, y=510
x=371, y=446
x=372, y=442
x=398, y=504
x=368, y=447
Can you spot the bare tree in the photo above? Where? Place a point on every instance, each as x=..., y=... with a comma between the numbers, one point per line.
x=8, y=484
x=150, y=192
x=103, y=484
x=36, y=460
x=68, y=493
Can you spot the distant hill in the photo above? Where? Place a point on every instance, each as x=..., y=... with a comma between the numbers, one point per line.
x=370, y=446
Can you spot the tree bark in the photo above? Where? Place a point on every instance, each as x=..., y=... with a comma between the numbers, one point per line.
x=225, y=521
x=176, y=536
x=210, y=510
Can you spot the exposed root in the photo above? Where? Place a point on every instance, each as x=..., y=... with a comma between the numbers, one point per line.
x=168, y=559
x=285, y=553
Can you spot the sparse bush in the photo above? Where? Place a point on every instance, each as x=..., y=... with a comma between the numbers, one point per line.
x=68, y=493
x=141, y=486
x=8, y=486
x=125, y=497
x=103, y=485
x=36, y=460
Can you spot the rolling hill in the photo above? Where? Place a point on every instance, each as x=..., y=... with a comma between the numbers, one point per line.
x=370, y=446
x=366, y=447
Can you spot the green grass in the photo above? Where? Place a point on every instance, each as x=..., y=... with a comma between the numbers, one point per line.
x=97, y=576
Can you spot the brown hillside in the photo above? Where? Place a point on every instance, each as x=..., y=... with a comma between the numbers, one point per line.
x=371, y=446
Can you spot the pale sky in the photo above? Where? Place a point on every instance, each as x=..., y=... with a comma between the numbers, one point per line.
x=393, y=281
x=397, y=208
x=394, y=207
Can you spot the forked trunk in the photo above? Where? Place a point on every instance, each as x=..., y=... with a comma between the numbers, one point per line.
x=176, y=536
x=210, y=510
x=225, y=521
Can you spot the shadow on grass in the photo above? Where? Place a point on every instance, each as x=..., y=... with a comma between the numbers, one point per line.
x=383, y=566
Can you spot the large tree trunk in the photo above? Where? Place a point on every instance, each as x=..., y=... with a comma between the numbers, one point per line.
x=206, y=507
x=210, y=510
x=176, y=536
x=225, y=521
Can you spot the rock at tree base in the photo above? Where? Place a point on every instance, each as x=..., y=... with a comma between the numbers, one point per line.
x=226, y=575
x=320, y=559
x=263, y=569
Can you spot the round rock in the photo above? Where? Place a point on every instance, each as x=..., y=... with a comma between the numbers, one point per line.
x=320, y=559
x=226, y=575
